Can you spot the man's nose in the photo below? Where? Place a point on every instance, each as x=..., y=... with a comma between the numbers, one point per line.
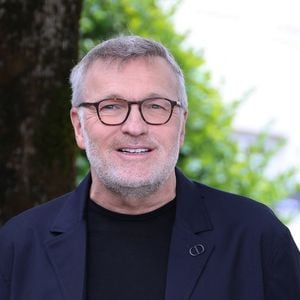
x=135, y=125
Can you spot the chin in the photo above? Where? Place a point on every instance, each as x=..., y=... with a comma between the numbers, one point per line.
x=136, y=181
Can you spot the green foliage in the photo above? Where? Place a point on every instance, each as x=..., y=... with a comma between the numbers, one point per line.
x=210, y=154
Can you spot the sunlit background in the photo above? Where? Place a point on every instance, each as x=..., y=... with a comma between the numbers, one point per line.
x=253, y=51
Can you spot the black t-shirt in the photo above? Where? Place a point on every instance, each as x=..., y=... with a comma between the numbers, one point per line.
x=127, y=255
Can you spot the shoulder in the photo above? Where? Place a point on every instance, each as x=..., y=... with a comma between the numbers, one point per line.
x=25, y=231
x=224, y=210
x=37, y=218
x=236, y=211
x=237, y=218
x=251, y=232
x=64, y=211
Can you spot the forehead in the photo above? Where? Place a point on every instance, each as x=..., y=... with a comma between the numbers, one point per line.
x=130, y=77
x=121, y=65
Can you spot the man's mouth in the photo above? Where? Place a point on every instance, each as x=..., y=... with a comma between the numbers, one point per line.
x=135, y=150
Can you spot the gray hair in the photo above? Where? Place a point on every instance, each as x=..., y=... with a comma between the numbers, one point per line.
x=122, y=49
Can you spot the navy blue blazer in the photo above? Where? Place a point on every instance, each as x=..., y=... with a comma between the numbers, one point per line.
x=223, y=247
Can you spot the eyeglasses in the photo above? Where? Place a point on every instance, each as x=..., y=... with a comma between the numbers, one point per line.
x=115, y=111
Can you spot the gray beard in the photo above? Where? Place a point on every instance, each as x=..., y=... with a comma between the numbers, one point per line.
x=119, y=186
x=128, y=192
x=126, y=189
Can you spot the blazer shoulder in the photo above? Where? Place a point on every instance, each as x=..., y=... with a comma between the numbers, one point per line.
x=36, y=217
x=233, y=209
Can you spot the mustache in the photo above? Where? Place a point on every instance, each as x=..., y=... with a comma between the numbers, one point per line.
x=135, y=141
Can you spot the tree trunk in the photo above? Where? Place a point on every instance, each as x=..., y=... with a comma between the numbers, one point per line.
x=38, y=46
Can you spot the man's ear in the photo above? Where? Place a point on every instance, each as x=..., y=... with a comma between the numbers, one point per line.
x=182, y=132
x=77, y=126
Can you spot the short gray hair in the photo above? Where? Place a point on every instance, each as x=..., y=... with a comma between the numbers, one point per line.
x=122, y=49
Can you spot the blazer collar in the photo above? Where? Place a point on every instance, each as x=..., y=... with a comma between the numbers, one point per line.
x=66, y=247
x=73, y=210
x=191, y=209
x=191, y=243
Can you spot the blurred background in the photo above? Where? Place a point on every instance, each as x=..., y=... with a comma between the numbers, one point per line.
x=241, y=64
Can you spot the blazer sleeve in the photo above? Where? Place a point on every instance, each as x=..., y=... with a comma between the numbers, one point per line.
x=6, y=263
x=4, y=288
x=282, y=280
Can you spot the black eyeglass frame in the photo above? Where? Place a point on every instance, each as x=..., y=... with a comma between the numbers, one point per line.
x=130, y=103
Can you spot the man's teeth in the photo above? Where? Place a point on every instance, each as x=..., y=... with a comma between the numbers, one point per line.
x=139, y=150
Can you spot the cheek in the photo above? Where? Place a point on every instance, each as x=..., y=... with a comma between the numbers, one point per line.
x=171, y=139
x=102, y=137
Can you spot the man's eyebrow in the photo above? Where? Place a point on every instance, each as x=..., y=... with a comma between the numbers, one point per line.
x=153, y=95
x=112, y=96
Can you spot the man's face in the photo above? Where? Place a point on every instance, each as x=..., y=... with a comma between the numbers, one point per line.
x=133, y=155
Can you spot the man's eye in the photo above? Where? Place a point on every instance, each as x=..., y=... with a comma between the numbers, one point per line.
x=110, y=107
x=155, y=106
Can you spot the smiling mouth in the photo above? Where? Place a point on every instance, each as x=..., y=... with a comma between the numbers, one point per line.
x=135, y=150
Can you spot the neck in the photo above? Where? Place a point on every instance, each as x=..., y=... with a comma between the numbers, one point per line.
x=133, y=200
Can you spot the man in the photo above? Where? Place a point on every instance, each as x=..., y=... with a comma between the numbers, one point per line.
x=136, y=228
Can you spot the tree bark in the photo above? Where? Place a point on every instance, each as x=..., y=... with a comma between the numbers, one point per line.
x=38, y=46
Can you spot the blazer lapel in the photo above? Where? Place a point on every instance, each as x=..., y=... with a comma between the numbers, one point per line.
x=67, y=246
x=67, y=255
x=190, y=249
